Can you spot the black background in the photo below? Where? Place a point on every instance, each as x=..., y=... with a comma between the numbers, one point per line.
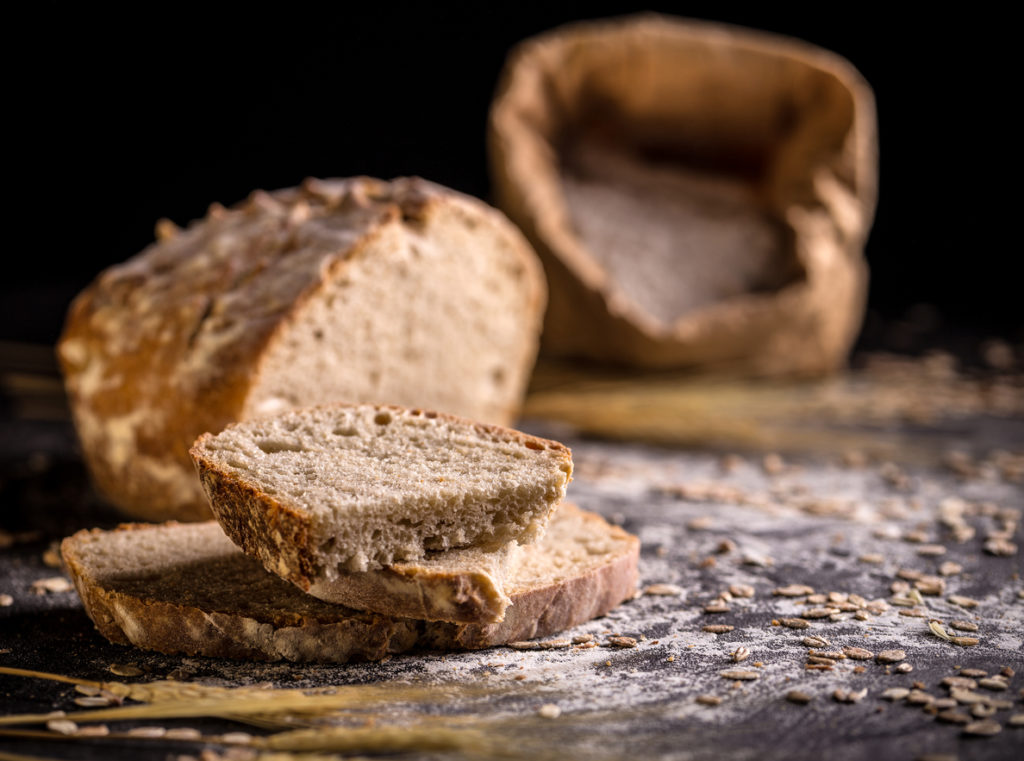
x=120, y=118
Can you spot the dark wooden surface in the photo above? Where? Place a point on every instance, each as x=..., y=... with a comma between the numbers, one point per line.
x=807, y=522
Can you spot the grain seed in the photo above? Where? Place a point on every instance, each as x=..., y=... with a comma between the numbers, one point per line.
x=62, y=726
x=895, y=693
x=183, y=733
x=718, y=628
x=943, y=703
x=741, y=590
x=524, y=645
x=993, y=683
x=938, y=630
x=930, y=585
x=815, y=642
x=1017, y=720
x=872, y=558
x=579, y=639
x=966, y=626
x=949, y=568
x=6, y=601
x=963, y=602
x=909, y=574
x=798, y=697
x=1000, y=547
x=239, y=738
x=740, y=675
x=982, y=710
x=931, y=550
x=832, y=655
x=983, y=728
x=913, y=613
x=794, y=623
x=964, y=641
x=849, y=696
x=622, y=641
x=904, y=668
x=553, y=644
x=741, y=653
x=147, y=732
x=962, y=682
x=124, y=669
x=967, y=697
x=700, y=523
x=53, y=585
x=663, y=590
x=976, y=673
x=793, y=590
x=919, y=698
x=709, y=700
x=93, y=701
x=549, y=711
x=716, y=607
x=815, y=613
x=891, y=656
x=93, y=730
x=952, y=716
x=858, y=653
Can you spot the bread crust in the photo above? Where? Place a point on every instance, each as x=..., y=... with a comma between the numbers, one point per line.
x=284, y=538
x=334, y=633
x=173, y=342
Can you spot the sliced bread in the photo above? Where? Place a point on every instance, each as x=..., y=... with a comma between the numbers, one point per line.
x=354, y=290
x=317, y=492
x=186, y=589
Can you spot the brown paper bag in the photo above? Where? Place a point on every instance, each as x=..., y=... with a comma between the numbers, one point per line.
x=700, y=194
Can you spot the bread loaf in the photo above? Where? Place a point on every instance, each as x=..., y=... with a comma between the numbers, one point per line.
x=315, y=493
x=396, y=292
x=186, y=589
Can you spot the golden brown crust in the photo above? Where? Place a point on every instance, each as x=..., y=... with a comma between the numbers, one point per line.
x=824, y=167
x=173, y=623
x=171, y=343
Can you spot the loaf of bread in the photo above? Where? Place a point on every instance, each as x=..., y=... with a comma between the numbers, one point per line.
x=700, y=195
x=185, y=588
x=354, y=290
x=318, y=492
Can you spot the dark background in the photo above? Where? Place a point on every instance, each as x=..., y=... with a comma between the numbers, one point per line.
x=119, y=119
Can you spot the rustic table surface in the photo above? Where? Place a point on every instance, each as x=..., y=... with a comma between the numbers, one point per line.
x=813, y=527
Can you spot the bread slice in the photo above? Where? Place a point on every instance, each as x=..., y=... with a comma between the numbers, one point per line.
x=317, y=492
x=186, y=589
x=354, y=290
x=463, y=586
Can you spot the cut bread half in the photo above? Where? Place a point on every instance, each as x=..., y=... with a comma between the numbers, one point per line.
x=186, y=589
x=318, y=492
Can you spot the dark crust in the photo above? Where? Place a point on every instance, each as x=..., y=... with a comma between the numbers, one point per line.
x=184, y=629
x=280, y=534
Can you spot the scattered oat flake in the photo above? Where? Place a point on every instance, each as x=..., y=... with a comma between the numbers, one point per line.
x=895, y=693
x=982, y=710
x=183, y=733
x=93, y=701
x=891, y=656
x=124, y=669
x=1000, y=547
x=967, y=697
x=849, y=696
x=1017, y=720
x=793, y=590
x=858, y=653
x=794, y=623
x=93, y=730
x=622, y=641
x=964, y=641
x=709, y=700
x=740, y=675
x=949, y=568
x=983, y=728
x=741, y=653
x=87, y=689
x=815, y=642
x=62, y=726
x=963, y=602
x=815, y=613
x=148, y=732
x=959, y=681
x=931, y=550
x=798, y=697
x=965, y=626
x=973, y=672
x=553, y=644
x=904, y=668
x=241, y=738
x=913, y=613
x=549, y=711
x=952, y=716
x=993, y=683
x=873, y=558
x=741, y=590
x=718, y=628
x=663, y=590
x=919, y=698
x=523, y=645
x=6, y=601
x=579, y=639
x=716, y=607
x=54, y=584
